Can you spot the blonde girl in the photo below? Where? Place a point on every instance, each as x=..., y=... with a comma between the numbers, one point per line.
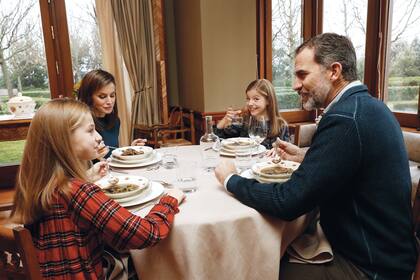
x=261, y=102
x=70, y=218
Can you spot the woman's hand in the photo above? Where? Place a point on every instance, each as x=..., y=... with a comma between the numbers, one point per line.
x=139, y=142
x=227, y=119
x=176, y=193
x=102, y=150
x=98, y=170
x=288, y=151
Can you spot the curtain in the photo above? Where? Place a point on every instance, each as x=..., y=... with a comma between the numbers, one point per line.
x=133, y=20
x=113, y=62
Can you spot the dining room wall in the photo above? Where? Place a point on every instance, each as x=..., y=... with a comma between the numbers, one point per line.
x=215, y=43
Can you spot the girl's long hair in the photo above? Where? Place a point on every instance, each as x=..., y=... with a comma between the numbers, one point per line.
x=49, y=160
x=266, y=89
x=91, y=83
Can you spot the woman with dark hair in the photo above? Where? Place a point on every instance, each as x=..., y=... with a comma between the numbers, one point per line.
x=97, y=90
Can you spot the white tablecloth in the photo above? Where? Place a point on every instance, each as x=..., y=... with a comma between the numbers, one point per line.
x=214, y=235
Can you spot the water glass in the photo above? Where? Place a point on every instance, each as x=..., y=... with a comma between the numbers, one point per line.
x=169, y=161
x=243, y=158
x=257, y=129
x=187, y=175
x=237, y=121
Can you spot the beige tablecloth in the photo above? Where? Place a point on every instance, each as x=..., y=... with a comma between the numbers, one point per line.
x=214, y=235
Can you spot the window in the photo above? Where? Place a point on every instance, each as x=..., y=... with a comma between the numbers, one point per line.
x=286, y=36
x=23, y=65
x=348, y=18
x=403, y=71
x=86, y=53
x=388, y=29
x=22, y=55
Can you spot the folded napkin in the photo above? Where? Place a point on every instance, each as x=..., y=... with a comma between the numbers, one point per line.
x=311, y=247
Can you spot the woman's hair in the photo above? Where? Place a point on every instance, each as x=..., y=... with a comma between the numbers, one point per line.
x=49, y=159
x=91, y=83
x=266, y=89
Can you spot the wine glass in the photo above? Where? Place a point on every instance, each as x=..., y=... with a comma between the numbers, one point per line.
x=257, y=129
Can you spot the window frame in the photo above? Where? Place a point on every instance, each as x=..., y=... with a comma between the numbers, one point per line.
x=60, y=76
x=377, y=44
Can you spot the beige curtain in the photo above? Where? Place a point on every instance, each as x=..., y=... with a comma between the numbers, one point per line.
x=133, y=20
x=113, y=62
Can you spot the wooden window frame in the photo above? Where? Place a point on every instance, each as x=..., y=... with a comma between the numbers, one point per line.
x=377, y=43
x=311, y=26
x=60, y=76
x=57, y=47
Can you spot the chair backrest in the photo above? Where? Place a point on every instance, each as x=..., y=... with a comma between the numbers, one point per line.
x=180, y=123
x=416, y=221
x=17, y=254
x=412, y=144
x=304, y=134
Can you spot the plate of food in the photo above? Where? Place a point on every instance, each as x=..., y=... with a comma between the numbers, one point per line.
x=250, y=175
x=123, y=186
x=150, y=156
x=237, y=143
x=255, y=151
x=274, y=170
x=156, y=189
x=132, y=152
x=155, y=158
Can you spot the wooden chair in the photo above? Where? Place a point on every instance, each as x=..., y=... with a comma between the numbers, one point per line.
x=304, y=134
x=416, y=221
x=17, y=254
x=175, y=131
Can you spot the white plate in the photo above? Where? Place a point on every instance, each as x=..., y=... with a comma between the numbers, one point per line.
x=141, y=182
x=145, y=149
x=230, y=144
x=256, y=169
x=155, y=159
x=135, y=196
x=261, y=149
x=134, y=161
x=250, y=175
x=156, y=190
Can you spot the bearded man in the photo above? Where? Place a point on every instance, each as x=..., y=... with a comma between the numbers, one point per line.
x=356, y=171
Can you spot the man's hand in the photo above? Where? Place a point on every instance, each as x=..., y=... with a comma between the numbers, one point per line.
x=288, y=151
x=224, y=169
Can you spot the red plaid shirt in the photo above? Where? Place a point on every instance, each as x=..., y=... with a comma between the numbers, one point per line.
x=70, y=239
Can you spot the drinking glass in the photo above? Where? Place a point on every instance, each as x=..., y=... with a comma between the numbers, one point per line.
x=257, y=129
x=237, y=121
x=169, y=161
x=187, y=176
x=243, y=159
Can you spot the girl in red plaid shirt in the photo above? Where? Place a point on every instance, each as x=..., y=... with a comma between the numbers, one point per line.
x=70, y=218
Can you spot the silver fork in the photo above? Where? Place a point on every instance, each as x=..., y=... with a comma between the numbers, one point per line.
x=277, y=157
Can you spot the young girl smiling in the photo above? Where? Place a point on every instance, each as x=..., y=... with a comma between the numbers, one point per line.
x=261, y=103
x=70, y=218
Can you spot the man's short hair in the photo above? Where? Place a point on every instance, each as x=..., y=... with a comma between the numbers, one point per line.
x=330, y=48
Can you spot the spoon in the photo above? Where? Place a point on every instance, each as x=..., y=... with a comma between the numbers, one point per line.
x=111, y=178
x=277, y=158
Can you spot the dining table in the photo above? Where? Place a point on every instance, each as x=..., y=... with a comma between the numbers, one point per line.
x=214, y=236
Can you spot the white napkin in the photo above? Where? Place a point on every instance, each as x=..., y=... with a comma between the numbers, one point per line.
x=311, y=247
